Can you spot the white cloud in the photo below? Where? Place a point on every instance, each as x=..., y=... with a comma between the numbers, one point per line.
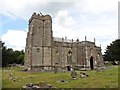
x=63, y=25
x=98, y=6
x=20, y=8
x=64, y=19
x=76, y=19
x=24, y=8
x=15, y=39
x=101, y=25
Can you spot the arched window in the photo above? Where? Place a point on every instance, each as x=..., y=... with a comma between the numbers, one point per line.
x=69, y=57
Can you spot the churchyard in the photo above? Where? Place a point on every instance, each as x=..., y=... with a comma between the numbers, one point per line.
x=16, y=78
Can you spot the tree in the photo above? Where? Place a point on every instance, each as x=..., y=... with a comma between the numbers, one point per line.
x=112, y=52
x=4, y=56
x=20, y=57
x=9, y=56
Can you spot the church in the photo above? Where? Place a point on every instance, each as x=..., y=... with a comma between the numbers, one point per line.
x=45, y=52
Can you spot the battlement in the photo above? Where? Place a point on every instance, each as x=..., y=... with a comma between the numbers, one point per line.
x=40, y=16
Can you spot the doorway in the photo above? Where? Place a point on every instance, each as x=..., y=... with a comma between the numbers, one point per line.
x=91, y=63
x=68, y=68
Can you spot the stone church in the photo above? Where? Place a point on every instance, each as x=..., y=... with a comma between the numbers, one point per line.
x=44, y=52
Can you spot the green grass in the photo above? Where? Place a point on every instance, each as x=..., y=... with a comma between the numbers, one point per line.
x=106, y=79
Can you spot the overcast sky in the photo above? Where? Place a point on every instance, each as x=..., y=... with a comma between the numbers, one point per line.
x=72, y=18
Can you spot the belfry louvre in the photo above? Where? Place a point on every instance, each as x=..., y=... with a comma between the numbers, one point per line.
x=44, y=52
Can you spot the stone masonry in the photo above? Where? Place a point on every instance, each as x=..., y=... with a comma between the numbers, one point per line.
x=43, y=51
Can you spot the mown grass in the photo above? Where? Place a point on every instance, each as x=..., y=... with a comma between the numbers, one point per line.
x=106, y=79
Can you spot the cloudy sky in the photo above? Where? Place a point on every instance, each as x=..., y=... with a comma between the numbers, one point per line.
x=72, y=18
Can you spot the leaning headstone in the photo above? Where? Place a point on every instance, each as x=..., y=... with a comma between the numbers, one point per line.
x=74, y=74
x=10, y=76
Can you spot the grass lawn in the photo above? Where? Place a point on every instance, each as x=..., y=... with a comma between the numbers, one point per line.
x=106, y=79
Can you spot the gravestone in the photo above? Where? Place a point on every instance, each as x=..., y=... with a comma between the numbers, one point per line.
x=74, y=74
x=10, y=76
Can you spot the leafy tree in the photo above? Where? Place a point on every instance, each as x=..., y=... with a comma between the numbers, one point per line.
x=113, y=51
x=9, y=56
x=4, y=56
x=20, y=57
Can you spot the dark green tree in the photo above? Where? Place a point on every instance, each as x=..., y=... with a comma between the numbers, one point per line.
x=9, y=56
x=112, y=52
x=19, y=57
x=4, y=56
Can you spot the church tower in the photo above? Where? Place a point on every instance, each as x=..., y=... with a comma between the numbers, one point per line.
x=39, y=42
